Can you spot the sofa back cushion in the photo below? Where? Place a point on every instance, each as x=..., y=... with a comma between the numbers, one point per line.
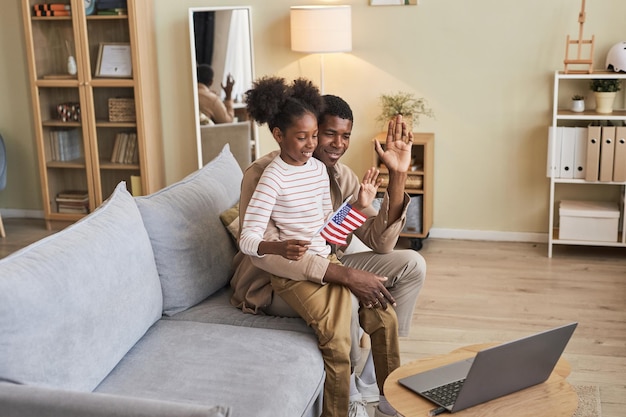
x=192, y=249
x=73, y=304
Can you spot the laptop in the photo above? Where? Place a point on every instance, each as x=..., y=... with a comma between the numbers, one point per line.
x=493, y=372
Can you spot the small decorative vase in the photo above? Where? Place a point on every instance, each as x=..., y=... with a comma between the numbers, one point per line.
x=604, y=102
x=578, y=106
x=71, y=65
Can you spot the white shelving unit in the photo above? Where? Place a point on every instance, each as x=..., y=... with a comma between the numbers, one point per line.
x=564, y=86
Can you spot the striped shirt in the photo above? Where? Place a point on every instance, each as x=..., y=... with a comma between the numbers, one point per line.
x=296, y=198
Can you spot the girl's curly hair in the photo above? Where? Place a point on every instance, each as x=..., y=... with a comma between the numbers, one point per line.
x=271, y=100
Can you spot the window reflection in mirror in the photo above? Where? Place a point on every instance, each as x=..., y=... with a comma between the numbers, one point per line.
x=222, y=40
x=221, y=37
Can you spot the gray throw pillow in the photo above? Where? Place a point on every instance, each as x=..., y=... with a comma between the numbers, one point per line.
x=74, y=303
x=192, y=249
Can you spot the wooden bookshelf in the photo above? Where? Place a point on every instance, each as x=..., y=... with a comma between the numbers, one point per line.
x=50, y=40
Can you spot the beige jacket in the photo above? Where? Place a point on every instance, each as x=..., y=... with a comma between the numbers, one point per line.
x=251, y=280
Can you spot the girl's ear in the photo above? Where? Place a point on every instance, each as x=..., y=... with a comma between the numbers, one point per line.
x=278, y=135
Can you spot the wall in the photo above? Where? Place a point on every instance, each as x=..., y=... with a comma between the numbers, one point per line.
x=486, y=68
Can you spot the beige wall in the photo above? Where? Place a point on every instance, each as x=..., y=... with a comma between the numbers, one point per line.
x=485, y=66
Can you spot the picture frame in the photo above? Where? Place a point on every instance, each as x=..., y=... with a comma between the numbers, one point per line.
x=114, y=60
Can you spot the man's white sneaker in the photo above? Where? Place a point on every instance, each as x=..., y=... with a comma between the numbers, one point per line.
x=357, y=409
x=369, y=392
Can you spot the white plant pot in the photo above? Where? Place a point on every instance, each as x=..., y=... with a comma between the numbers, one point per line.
x=604, y=102
x=578, y=106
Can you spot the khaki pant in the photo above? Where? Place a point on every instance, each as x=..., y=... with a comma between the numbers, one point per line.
x=328, y=310
x=406, y=273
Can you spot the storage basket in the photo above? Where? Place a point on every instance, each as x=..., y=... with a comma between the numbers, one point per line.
x=414, y=182
x=122, y=110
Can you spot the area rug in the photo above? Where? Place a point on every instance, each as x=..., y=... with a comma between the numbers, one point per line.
x=588, y=401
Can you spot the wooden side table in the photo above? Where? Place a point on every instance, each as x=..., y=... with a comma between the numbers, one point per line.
x=554, y=397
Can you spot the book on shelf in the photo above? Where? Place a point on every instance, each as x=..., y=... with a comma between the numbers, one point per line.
x=69, y=208
x=51, y=6
x=112, y=12
x=65, y=144
x=73, y=201
x=59, y=77
x=125, y=149
x=73, y=194
x=111, y=4
x=53, y=12
x=131, y=152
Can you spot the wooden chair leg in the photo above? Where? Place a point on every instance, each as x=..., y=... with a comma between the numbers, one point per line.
x=2, y=233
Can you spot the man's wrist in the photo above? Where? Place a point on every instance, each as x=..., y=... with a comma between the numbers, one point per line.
x=397, y=180
x=335, y=274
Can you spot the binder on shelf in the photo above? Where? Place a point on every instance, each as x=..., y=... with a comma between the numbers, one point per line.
x=607, y=152
x=593, y=153
x=580, y=152
x=619, y=162
x=554, y=152
x=568, y=145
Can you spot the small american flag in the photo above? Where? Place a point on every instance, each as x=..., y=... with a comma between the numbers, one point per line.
x=343, y=222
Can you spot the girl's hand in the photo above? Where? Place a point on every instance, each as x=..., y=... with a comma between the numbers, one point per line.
x=369, y=186
x=291, y=249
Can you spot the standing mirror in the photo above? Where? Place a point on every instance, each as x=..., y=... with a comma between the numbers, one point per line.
x=222, y=38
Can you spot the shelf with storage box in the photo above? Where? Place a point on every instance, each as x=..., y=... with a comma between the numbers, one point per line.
x=79, y=112
x=419, y=185
x=587, y=167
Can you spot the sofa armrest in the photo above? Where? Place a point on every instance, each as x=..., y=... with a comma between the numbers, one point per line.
x=31, y=401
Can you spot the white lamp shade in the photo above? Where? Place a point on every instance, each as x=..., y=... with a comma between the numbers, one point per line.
x=321, y=29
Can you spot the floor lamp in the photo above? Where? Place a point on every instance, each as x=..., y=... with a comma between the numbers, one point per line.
x=321, y=29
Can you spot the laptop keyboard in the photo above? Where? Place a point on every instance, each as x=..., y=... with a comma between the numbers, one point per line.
x=445, y=394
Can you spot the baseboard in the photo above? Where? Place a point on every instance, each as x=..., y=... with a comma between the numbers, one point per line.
x=462, y=234
x=21, y=214
x=435, y=232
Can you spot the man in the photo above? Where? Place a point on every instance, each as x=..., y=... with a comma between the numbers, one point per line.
x=211, y=106
x=377, y=278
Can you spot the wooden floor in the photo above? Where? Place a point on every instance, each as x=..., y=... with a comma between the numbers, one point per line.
x=478, y=292
x=20, y=233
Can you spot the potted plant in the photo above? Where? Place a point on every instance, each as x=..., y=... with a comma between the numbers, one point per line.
x=578, y=103
x=604, y=90
x=406, y=104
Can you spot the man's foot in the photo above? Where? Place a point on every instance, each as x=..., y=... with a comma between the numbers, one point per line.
x=357, y=409
x=369, y=392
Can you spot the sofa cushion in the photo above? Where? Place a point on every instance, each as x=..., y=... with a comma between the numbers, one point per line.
x=218, y=309
x=73, y=304
x=256, y=372
x=192, y=249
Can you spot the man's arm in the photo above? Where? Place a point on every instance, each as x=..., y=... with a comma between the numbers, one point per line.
x=397, y=158
x=367, y=287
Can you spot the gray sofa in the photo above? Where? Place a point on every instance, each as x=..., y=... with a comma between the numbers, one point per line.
x=127, y=313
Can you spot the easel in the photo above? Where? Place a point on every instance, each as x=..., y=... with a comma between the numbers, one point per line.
x=579, y=42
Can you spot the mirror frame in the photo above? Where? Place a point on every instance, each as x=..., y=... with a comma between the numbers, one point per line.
x=194, y=76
